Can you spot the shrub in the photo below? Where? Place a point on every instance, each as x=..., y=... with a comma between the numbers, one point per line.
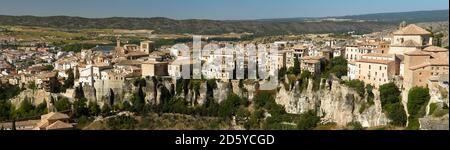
x=121, y=122
x=357, y=85
x=396, y=113
x=354, y=126
x=307, y=121
x=62, y=104
x=418, y=98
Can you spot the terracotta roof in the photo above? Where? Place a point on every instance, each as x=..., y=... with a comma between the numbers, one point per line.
x=410, y=43
x=375, y=61
x=54, y=116
x=435, y=49
x=433, y=62
x=417, y=53
x=59, y=125
x=378, y=55
x=412, y=29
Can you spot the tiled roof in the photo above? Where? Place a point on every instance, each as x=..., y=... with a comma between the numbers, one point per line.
x=417, y=53
x=412, y=29
x=54, y=116
x=435, y=49
x=59, y=125
x=375, y=61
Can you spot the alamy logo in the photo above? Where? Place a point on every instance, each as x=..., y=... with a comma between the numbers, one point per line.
x=249, y=61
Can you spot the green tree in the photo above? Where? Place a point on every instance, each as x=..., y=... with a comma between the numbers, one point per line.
x=262, y=99
x=296, y=69
x=5, y=110
x=55, y=85
x=357, y=85
x=106, y=110
x=396, y=113
x=418, y=98
x=41, y=109
x=391, y=104
x=26, y=109
x=138, y=100
x=80, y=108
x=338, y=66
x=370, y=95
x=69, y=82
x=62, y=104
x=389, y=94
x=308, y=121
x=229, y=106
x=94, y=109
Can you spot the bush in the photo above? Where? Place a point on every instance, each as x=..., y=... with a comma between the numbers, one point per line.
x=229, y=106
x=413, y=124
x=396, y=113
x=338, y=66
x=389, y=94
x=354, y=126
x=307, y=121
x=370, y=95
x=121, y=122
x=418, y=98
x=62, y=104
x=94, y=109
x=357, y=85
x=80, y=108
x=433, y=107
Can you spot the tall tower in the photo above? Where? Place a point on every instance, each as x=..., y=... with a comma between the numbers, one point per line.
x=402, y=25
x=117, y=42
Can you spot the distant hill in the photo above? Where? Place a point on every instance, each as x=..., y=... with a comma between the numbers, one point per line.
x=260, y=27
x=411, y=17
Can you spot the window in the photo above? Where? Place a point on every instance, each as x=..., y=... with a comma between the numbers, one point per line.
x=420, y=73
x=380, y=67
x=385, y=68
x=370, y=66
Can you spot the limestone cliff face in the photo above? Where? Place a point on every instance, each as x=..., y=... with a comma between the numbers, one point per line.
x=222, y=91
x=36, y=97
x=337, y=103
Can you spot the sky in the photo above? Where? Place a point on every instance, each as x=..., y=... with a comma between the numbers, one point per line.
x=213, y=9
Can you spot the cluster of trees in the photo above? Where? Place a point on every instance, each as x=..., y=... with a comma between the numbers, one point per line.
x=418, y=98
x=7, y=91
x=57, y=87
x=25, y=110
x=392, y=105
x=76, y=47
x=337, y=66
x=357, y=85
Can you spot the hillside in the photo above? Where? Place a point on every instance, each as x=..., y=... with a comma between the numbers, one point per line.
x=376, y=22
x=411, y=17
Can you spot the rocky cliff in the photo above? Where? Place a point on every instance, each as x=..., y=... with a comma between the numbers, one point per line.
x=336, y=103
